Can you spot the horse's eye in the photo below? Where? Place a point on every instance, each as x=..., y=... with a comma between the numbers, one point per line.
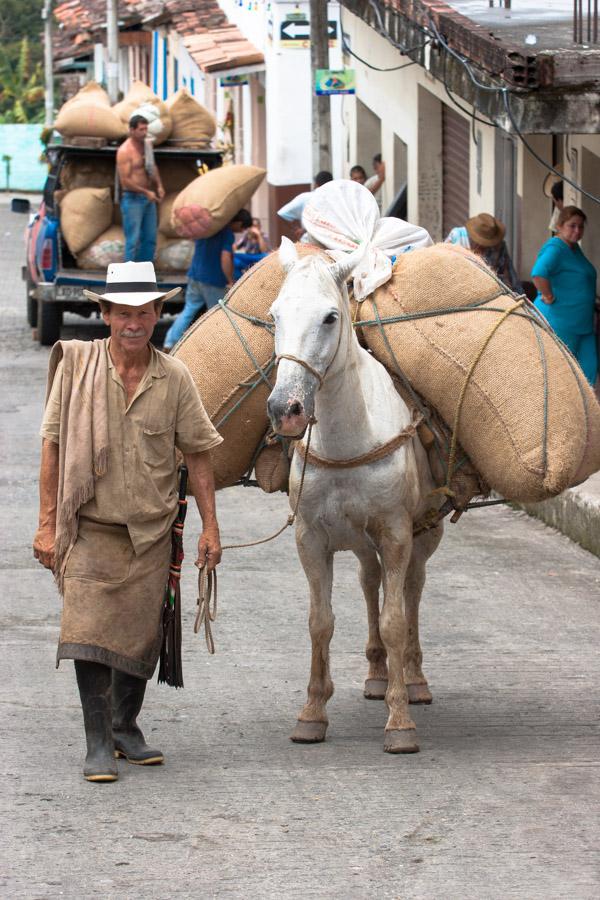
x=330, y=319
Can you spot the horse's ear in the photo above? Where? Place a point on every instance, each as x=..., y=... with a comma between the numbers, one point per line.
x=288, y=255
x=343, y=269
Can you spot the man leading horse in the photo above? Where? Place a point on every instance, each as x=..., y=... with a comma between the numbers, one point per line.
x=116, y=410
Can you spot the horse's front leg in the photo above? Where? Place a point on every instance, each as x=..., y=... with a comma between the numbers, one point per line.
x=395, y=549
x=370, y=580
x=317, y=562
x=423, y=547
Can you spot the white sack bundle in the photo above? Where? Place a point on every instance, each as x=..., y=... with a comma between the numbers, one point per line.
x=343, y=214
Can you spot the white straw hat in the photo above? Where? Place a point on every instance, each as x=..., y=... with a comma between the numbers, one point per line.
x=132, y=284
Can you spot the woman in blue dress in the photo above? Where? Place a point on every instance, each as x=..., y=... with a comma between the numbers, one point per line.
x=566, y=284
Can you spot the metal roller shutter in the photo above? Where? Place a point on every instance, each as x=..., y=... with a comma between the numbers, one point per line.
x=455, y=169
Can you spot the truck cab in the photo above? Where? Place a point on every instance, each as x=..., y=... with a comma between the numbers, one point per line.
x=54, y=281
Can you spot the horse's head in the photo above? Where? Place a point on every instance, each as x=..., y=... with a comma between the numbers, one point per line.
x=310, y=315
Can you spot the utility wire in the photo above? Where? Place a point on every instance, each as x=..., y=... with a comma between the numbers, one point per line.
x=479, y=85
x=385, y=33
x=467, y=112
x=536, y=155
x=350, y=52
x=347, y=49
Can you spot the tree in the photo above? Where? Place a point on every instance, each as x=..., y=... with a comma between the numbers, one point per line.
x=21, y=87
x=19, y=19
x=20, y=65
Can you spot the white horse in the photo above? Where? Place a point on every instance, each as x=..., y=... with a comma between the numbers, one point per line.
x=368, y=506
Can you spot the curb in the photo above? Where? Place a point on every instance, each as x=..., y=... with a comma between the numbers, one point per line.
x=575, y=512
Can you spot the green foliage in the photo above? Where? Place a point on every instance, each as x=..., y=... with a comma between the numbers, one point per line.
x=21, y=87
x=21, y=55
x=19, y=19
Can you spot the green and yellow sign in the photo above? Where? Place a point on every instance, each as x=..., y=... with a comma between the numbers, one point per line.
x=335, y=81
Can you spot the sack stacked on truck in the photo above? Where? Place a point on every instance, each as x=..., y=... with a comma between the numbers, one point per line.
x=173, y=255
x=108, y=248
x=193, y=124
x=165, y=210
x=492, y=367
x=142, y=101
x=210, y=202
x=80, y=171
x=85, y=213
x=89, y=114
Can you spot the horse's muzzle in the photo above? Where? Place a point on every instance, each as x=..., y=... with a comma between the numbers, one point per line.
x=288, y=417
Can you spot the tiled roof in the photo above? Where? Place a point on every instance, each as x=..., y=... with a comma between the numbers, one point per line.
x=212, y=42
x=221, y=48
x=82, y=22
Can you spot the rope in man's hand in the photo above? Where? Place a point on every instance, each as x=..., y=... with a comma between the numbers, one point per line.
x=207, y=612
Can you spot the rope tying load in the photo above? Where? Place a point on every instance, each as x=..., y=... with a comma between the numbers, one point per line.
x=521, y=404
x=373, y=455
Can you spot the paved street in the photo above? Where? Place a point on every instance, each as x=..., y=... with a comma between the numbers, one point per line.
x=503, y=800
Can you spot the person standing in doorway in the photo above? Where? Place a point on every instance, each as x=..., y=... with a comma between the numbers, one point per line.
x=373, y=184
x=209, y=276
x=566, y=283
x=142, y=189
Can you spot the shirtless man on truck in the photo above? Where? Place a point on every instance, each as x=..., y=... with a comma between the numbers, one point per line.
x=141, y=190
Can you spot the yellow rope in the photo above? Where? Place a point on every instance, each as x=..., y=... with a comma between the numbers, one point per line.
x=446, y=489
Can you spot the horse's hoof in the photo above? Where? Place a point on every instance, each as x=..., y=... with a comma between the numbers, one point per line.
x=309, y=732
x=375, y=688
x=404, y=741
x=419, y=693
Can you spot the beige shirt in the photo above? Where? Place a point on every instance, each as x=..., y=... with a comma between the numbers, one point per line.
x=140, y=487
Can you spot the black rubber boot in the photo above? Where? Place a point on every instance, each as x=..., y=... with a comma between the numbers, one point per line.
x=94, y=682
x=128, y=696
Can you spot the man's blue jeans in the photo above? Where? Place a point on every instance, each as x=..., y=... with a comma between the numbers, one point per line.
x=198, y=295
x=139, y=224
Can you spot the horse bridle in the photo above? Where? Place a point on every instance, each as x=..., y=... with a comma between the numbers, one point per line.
x=302, y=362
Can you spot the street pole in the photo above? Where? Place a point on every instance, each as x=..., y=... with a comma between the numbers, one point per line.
x=319, y=59
x=112, y=43
x=48, y=66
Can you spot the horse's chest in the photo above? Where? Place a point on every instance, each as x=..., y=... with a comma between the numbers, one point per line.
x=344, y=503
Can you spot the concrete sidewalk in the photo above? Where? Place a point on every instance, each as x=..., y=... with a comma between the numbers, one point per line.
x=575, y=512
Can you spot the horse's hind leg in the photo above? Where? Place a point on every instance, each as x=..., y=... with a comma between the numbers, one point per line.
x=370, y=580
x=416, y=683
x=317, y=562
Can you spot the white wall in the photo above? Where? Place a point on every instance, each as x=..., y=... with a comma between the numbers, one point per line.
x=535, y=208
x=582, y=165
x=288, y=85
x=393, y=96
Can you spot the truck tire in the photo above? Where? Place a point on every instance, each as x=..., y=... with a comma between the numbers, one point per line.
x=49, y=322
x=32, y=304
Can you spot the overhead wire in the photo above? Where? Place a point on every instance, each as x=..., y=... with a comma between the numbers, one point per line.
x=462, y=108
x=540, y=159
x=502, y=90
x=385, y=33
x=347, y=49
